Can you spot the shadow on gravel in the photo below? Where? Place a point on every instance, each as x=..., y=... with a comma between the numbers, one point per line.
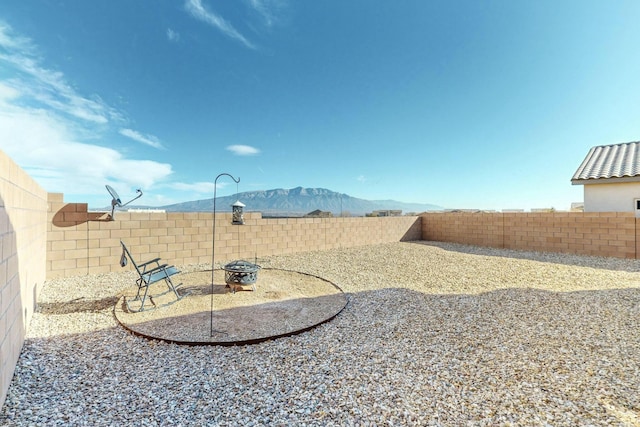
x=77, y=306
x=545, y=351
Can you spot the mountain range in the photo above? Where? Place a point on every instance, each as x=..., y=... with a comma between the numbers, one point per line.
x=298, y=202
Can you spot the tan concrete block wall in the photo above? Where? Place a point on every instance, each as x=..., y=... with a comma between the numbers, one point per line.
x=23, y=216
x=481, y=229
x=608, y=234
x=81, y=242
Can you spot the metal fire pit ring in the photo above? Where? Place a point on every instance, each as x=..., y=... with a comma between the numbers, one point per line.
x=241, y=273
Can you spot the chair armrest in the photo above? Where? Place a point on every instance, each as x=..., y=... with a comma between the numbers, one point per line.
x=157, y=268
x=145, y=266
x=149, y=262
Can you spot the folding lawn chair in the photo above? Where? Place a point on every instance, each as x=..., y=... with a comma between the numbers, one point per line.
x=149, y=273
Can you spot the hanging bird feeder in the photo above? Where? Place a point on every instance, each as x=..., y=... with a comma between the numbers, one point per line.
x=238, y=213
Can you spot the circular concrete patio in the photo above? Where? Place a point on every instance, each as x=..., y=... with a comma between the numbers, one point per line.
x=284, y=303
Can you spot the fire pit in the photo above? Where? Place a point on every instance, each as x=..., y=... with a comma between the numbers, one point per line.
x=240, y=273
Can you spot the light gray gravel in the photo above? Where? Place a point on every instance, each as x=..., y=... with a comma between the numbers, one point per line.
x=434, y=334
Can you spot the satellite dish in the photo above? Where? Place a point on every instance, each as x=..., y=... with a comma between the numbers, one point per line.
x=116, y=201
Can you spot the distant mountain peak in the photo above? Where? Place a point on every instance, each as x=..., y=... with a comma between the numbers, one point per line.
x=299, y=201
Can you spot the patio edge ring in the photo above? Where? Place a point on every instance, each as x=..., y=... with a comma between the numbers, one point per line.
x=285, y=303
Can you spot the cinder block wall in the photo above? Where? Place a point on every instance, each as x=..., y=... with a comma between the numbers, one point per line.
x=81, y=242
x=23, y=237
x=608, y=234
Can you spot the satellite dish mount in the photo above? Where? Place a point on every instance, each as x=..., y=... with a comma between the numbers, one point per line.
x=115, y=201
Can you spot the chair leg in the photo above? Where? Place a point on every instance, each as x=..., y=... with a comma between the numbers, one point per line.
x=142, y=299
x=171, y=287
x=146, y=294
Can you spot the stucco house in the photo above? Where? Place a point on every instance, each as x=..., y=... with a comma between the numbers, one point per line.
x=611, y=178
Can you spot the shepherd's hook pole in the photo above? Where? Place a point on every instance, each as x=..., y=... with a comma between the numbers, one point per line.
x=213, y=244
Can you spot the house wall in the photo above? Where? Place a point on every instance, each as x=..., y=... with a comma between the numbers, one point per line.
x=23, y=228
x=618, y=197
x=81, y=242
x=608, y=234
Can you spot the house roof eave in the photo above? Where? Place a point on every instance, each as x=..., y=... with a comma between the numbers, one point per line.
x=614, y=180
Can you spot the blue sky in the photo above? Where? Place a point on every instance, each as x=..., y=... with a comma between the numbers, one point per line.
x=463, y=104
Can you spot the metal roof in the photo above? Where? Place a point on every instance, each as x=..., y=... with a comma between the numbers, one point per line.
x=610, y=161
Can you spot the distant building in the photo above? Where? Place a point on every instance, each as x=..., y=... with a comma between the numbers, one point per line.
x=611, y=178
x=577, y=207
x=393, y=212
x=319, y=214
x=542, y=210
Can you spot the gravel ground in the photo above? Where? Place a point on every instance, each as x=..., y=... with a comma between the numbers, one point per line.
x=433, y=334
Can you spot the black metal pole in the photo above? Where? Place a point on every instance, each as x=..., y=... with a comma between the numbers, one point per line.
x=213, y=244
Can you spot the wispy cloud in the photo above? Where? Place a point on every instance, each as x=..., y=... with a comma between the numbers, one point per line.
x=44, y=86
x=172, y=35
x=44, y=124
x=48, y=149
x=198, y=11
x=149, y=140
x=361, y=178
x=7, y=94
x=12, y=41
x=269, y=10
x=243, y=150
